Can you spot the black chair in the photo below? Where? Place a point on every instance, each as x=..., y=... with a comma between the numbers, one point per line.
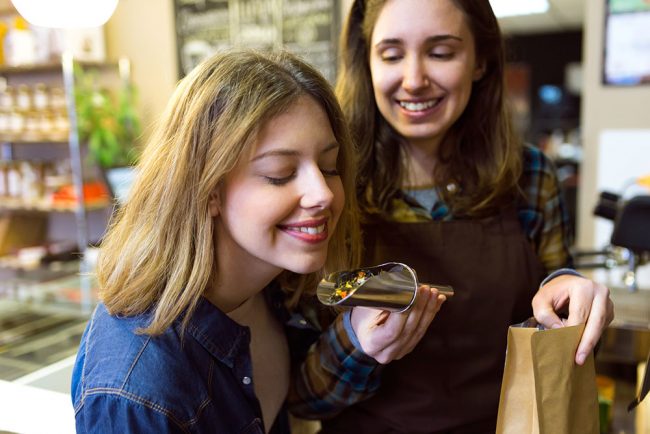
x=631, y=232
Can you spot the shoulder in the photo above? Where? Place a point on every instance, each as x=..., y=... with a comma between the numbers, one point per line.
x=153, y=375
x=109, y=347
x=536, y=161
x=539, y=176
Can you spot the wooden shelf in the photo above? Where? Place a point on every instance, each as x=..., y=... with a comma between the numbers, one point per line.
x=47, y=206
x=33, y=141
x=39, y=272
x=50, y=67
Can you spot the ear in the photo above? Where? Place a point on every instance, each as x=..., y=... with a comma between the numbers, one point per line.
x=214, y=203
x=479, y=70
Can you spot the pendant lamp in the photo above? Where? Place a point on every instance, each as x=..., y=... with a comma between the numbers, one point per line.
x=66, y=13
x=510, y=8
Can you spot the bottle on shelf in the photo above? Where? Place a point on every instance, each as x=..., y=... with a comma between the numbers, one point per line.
x=32, y=182
x=14, y=180
x=23, y=100
x=6, y=108
x=59, y=113
x=3, y=179
x=19, y=44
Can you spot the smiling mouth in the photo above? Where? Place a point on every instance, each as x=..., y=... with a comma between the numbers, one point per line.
x=312, y=233
x=308, y=230
x=314, y=227
x=419, y=106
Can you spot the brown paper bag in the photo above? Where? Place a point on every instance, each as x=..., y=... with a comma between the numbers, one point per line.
x=544, y=391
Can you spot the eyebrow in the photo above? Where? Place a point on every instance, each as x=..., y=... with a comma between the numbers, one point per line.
x=430, y=39
x=291, y=152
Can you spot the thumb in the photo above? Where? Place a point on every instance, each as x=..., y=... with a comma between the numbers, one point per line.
x=548, y=318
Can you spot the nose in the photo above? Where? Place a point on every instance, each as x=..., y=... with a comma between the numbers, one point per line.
x=316, y=191
x=414, y=74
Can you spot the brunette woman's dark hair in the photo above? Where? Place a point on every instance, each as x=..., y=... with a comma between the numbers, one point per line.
x=480, y=154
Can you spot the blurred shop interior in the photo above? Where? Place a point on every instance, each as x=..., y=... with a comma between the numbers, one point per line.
x=76, y=103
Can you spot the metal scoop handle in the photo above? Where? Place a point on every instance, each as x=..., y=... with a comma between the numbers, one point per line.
x=445, y=290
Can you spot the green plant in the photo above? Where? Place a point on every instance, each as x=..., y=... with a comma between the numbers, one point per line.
x=107, y=122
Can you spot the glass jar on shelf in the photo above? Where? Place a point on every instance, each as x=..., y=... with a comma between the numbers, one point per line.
x=41, y=97
x=6, y=108
x=31, y=127
x=32, y=181
x=4, y=123
x=16, y=123
x=45, y=124
x=60, y=124
x=3, y=179
x=57, y=98
x=7, y=98
x=14, y=180
x=23, y=101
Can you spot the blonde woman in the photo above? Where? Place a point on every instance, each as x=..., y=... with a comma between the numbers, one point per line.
x=245, y=196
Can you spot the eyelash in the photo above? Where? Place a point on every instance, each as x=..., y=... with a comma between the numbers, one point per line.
x=442, y=56
x=390, y=59
x=333, y=172
x=396, y=58
x=281, y=181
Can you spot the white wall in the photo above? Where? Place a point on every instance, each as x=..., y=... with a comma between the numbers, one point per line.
x=606, y=108
x=616, y=137
x=144, y=32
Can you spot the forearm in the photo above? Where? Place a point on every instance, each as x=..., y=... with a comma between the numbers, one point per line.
x=335, y=374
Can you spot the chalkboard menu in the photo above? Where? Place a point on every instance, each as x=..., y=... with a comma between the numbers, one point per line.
x=306, y=27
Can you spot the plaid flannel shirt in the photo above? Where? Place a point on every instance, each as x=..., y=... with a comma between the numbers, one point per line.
x=336, y=373
x=542, y=214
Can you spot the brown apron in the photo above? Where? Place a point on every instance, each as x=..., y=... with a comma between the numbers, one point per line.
x=450, y=383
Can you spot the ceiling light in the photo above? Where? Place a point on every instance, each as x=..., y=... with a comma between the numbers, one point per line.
x=66, y=13
x=509, y=8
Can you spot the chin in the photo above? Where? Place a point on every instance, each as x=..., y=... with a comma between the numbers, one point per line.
x=420, y=134
x=306, y=265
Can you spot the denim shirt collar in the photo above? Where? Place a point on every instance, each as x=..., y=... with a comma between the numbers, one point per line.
x=217, y=332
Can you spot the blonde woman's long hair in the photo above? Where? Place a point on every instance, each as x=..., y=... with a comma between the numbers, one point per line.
x=158, y=253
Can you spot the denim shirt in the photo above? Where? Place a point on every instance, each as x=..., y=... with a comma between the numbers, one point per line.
x=196, y=381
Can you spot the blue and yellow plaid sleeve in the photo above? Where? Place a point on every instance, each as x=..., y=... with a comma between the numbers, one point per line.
x=335, y=375
x=543, y=215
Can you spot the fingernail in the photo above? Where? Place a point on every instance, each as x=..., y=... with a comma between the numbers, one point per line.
x=580, y=358
x=557, y=325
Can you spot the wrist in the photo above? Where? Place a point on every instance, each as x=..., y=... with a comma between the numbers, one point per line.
x=558, y=273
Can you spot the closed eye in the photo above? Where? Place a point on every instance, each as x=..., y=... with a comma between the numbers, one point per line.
x=391, y=59
x=333, y=172
x=441, y=56
x=389, y=52
x=279, y=181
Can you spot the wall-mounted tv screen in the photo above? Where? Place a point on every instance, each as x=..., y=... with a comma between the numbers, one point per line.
x=627, y=43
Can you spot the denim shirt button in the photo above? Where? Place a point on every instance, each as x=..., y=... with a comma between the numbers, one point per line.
x=246, y=380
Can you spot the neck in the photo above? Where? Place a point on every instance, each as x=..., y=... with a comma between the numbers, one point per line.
x=238, y=279
x=228, y=292
x=419, y=159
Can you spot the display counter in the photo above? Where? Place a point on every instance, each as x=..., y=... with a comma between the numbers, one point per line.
x=623, y=349
x=42, y=318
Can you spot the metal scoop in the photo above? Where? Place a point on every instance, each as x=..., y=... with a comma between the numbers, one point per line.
x=391, y=286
